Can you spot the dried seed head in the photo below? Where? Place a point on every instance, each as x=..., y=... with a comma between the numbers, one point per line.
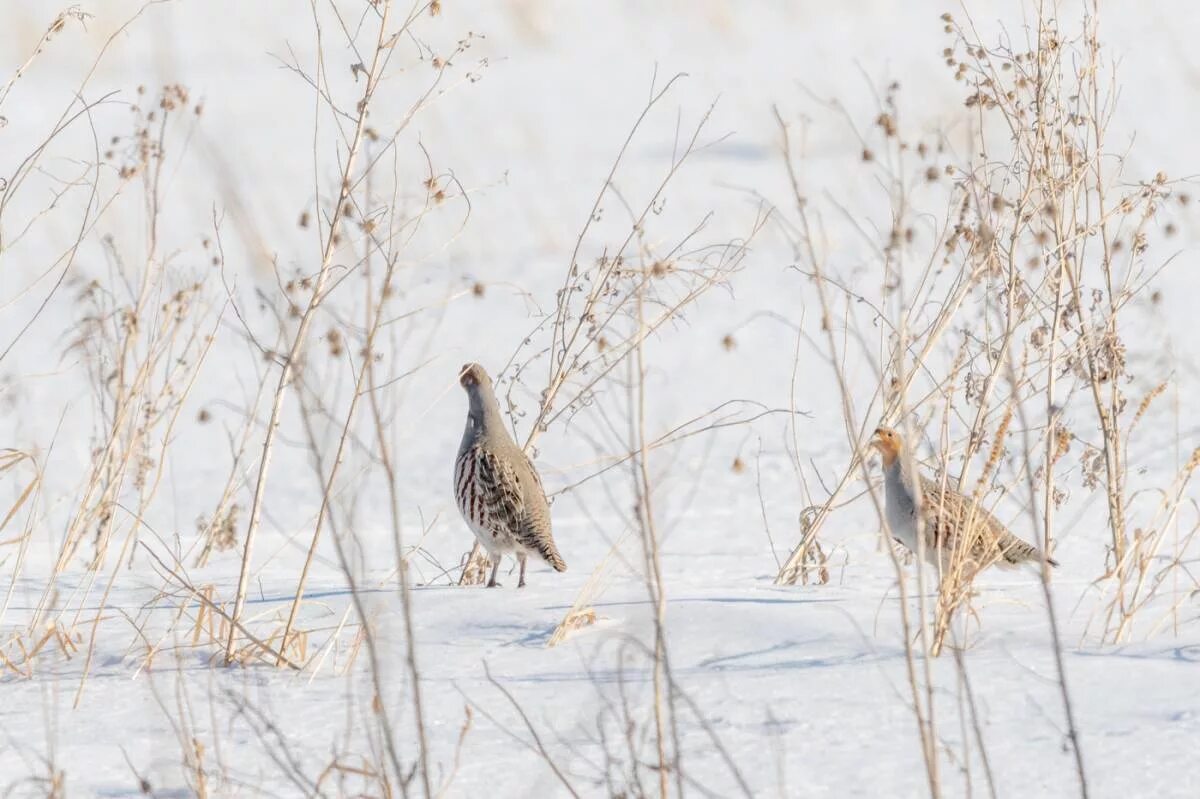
x=1144, y=405
x=1062, y=443
x=729, y=342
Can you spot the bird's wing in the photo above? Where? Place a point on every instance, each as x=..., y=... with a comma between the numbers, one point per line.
x=949, y=515
x=504, y=498
x=537, y=478
x=520, y=504
x=1015, y=550
x=948, y=512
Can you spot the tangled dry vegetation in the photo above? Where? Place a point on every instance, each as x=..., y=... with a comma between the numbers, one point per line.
x=1025, y=289
x=1001, y=333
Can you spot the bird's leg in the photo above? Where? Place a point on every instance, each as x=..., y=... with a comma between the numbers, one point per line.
x=495, y=570
x=521, y=582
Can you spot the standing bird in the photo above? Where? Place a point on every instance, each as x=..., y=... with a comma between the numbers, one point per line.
x=498, y=491
x=947, y=515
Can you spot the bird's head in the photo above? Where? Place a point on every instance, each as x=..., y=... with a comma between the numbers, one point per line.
x=472, y=375
x=889, y=444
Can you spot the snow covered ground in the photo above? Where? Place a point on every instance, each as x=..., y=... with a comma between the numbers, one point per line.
x=782, y=691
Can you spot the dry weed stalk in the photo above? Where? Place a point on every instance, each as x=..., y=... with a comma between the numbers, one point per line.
x=330, y=239
x=373, y=224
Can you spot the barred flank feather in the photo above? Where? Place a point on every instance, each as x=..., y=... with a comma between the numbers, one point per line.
x=950, y=514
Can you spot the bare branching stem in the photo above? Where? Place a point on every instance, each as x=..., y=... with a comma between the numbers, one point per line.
x=295, y=353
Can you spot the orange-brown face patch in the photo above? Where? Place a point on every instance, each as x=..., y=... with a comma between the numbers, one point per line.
x=889, y=444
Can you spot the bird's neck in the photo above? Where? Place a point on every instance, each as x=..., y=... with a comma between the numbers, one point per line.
x=482, y=415
x=892, y=468
x=895, y=470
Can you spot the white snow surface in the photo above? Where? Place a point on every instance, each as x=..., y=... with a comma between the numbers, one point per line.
x=783, y=691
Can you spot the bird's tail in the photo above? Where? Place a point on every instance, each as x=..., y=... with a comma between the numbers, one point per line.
x=1017, y=552
x=549, y=553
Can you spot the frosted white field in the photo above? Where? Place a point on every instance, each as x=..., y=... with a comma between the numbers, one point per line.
x=779, y=690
